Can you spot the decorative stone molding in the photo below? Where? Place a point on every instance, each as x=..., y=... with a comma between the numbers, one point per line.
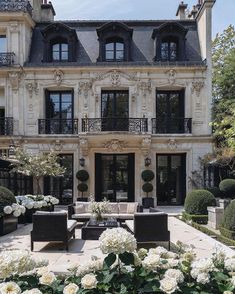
x=171, y=74
x=146, y=145
x=172, y=144
x=84, y=88
x=14, y=78
x=145, y=87
x=84, y=147
x=58, y=76
x=58, y=145
x=115, y=145
x=14, y=27
x=115, y=77
x=32, y=87
x=197, y=87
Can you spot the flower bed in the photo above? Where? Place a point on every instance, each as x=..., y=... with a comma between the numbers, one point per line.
x=124, y=270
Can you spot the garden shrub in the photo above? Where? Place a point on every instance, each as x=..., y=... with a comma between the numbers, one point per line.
x=227, y=186
x=197, y=202
x=147, y=175
x=82, y=187
x=216, y=192
x=228, y=224
x=199, y=219
x=6, y=197
x=82, y=175
x=147, y=187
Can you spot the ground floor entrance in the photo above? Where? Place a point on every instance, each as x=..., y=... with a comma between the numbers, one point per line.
x=115, y=177
x=171, y=179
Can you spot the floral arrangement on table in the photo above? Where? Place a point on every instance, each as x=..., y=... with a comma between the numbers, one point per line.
x=125, y=270
x=36, y=201
x=15, y=209
x=99, y=208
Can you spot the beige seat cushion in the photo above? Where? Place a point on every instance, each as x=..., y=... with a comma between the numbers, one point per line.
x=122, y=207
x=132, y=207
x=81, y=215
x=84, y=204
x=113, y=208
x=110, y=215
x=79, y=209
x=71, y=224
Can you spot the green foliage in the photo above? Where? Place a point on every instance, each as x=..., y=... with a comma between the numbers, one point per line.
x=223, y=88
x=216, y=192
x=82, y=187
x=197, y=202
x=199, y=219
x=228, y=222
x=6, y=197
x=82, y=175
x=147, y=187
x=147, y=175
x=227, y=186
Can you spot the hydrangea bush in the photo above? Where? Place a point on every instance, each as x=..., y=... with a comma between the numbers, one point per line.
x=99, y=208
x=127, y=271
x=15, y=209
x=37, y=202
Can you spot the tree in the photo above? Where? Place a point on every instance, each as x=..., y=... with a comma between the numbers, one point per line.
x=37, y=166
x=224, y=88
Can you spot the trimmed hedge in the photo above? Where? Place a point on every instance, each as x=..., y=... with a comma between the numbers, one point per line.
x=147, y=187
x=147, y=175
x=6, y=197
x=227, y=186
x=199, y=219
x=216, y=192
x=82, y=175
x=227, y=228
x=197, y=201
x=82, y=187
x=227, y=233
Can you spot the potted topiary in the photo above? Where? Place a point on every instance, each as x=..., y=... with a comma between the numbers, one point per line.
x=83, y=176
x=8, y=221
x=147, y=176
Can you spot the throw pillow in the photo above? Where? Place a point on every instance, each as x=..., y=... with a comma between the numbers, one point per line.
x=131, y=207
x=79, y=209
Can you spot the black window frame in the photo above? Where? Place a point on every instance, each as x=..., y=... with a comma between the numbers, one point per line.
x=60, y=51
x=169, y=40
x=115, y=41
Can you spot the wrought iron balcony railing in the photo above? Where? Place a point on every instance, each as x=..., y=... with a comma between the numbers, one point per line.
x=136, y=125
x=16, y=5
x=6, y=126
x=57, y=126
x=7, y=59
x=172, y=126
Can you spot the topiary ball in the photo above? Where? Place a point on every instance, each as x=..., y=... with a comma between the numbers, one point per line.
x=216, y=192
x=147, y=175
x=229, y=217
x=82, y=187
x=147, y=187
x=197, y=202
x=6, y=197
x=82, y=175
x=228, y=188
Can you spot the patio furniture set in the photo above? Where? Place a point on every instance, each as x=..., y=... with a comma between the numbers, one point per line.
x=147, y=227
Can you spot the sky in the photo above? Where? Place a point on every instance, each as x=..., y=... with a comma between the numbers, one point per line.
x=223, y=13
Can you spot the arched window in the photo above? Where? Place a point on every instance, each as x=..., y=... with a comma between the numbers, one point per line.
x=60, y=51
x=114, y=50
x=169, y=49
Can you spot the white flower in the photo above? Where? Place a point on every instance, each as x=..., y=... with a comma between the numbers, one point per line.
x=201, y=269
x=174, y=274
x=233, y=281
x=168, y=285
x=117, y=241
x=203, y=278
x=42, y=270
x=17, y=212
x=89, y=281
x=32, y=291
x=29, y=205
x=44, y=203
x=9, y=288
x=47, y=278
x=7, y=210
x=14, y=206
x=89, y=267
x=142, y=253
x=230, y=264
x=159, y=251
x=227, y=292
x=22, y=209
x=151, y=262
x=70, y=289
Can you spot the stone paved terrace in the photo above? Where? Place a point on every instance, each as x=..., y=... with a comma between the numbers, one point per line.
x=81, y=251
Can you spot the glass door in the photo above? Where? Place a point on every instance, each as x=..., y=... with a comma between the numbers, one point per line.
x=171, y=179
x=115, y=177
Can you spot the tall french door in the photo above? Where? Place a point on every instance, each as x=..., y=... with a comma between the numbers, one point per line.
x=114, y=177
x=171, y=179
x=115, y=110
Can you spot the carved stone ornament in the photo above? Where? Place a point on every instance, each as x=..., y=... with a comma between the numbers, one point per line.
x=115, y=145
x=84, y=88
x=58, y=145
x=197, y=87
x=145, y=87
x=84, y=147
x=58, y=76
x=32, y=87
x=115, y=77
x=145, y=146
x=171, y=76
x=172, y=144
x=14, y=78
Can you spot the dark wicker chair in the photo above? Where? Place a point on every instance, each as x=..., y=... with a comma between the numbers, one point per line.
x=151, y=227
x=52, y=227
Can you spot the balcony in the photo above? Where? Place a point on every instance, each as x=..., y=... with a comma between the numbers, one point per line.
x=172, y=126
x=15, y=6
x=7, y=59
x=6, y=126
x=57, y=126
x=133, y=125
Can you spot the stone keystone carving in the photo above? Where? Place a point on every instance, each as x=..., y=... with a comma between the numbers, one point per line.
x=197, y=87
x=58, y=76
x=84, y=147
x=172, y=144
x=14, y=78
x=32, y=87
x=171, y=76
x=115, y=145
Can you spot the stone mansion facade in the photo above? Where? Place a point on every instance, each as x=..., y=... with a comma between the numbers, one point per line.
x=112, y=97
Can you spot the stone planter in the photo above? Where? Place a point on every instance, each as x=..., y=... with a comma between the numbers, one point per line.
x=8, y=224
x=215, y=216
x=148, y=202
x=223, y=203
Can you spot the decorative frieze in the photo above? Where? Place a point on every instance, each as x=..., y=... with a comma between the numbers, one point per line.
x=172, y=144
x=84, y=147
x=171, y=76
x=115, y=145
x=114, y=77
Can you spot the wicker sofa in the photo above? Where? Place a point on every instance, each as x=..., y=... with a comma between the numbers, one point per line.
x=120, y=210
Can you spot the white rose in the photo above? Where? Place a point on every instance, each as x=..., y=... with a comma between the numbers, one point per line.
x=70, y=289
x=151, y=262
x=32, y=291
x=142, y=252
x=17, y=213
x=203, y=278
x=174, y=274
x=168, y=285
x=14, y=206
x=47, y=278
x=89, y=281
x=42, y=270
x=10, y=288
x=227, y=292
x=7, y=209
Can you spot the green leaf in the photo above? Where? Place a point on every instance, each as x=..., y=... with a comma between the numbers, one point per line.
x=127, y=258
x=110, y=259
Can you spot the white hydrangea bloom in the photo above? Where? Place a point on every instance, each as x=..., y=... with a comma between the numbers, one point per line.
x=151, y=262
x=71, y=289
x=89, y=281
x=7, y=209
x=89, y=267
x=9, y=288
x=17, y=212
x=32, y=291
x=142, y=253
x=201, y=269
x=117, y=241
x=174, y=274
x=168, y=285
x=230, y=264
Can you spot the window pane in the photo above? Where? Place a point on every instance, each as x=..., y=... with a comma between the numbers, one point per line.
x=119, y=46
x=3, y=44
x=56, y=56
x=64, y=56
x=109, y=46
x=164, y=51
x=64, y=47
x=66, y=97
x=56, y=47
x=109, y=55
x=173, y=51
x=119, y=55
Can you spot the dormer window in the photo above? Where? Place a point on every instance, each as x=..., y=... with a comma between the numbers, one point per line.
x=114, y=50
x=60, y=52
x=115, y=42
x=169, y=49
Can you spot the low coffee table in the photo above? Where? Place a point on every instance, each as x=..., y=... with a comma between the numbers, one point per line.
x=92, y=231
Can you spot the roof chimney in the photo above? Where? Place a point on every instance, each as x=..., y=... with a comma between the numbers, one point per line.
x=181, y=10
x=48, y=11
x=194, y=11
